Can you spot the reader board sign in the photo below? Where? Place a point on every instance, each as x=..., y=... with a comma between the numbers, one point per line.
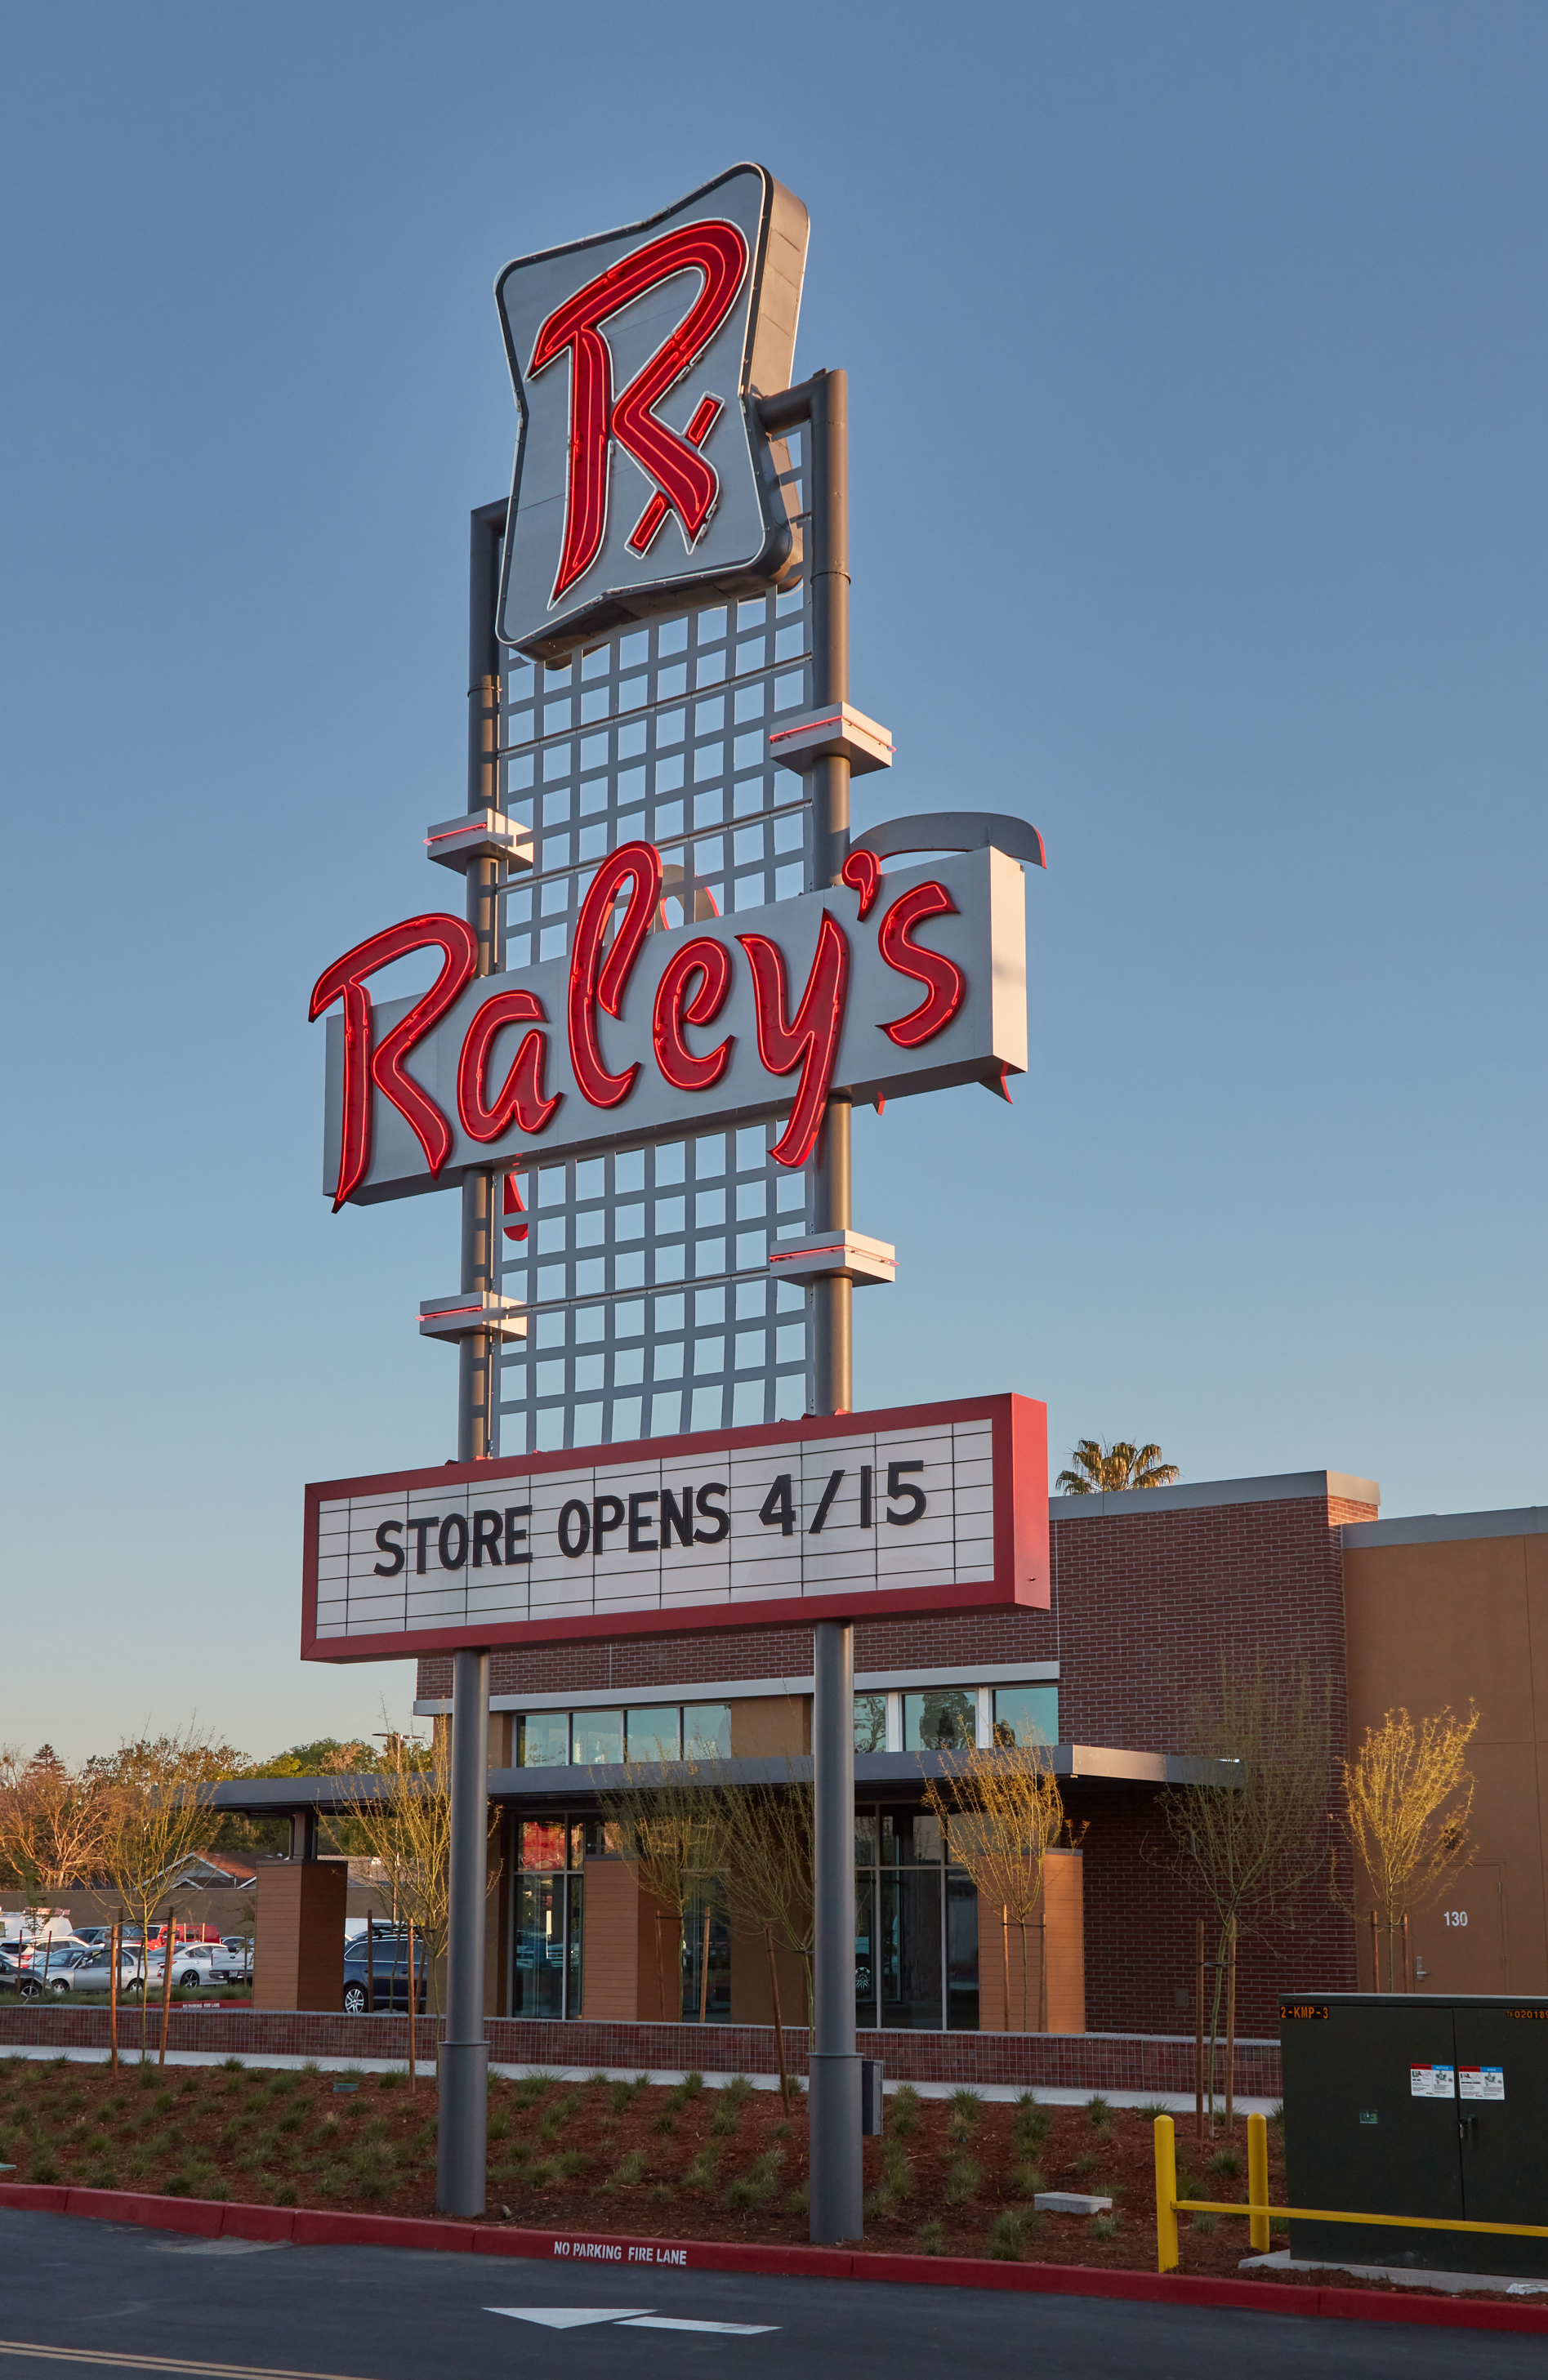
x=925, y=1508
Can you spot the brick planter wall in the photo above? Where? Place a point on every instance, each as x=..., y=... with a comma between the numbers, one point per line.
x=1082, y=2061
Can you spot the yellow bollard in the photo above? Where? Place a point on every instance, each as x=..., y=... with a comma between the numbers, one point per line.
x=1257, y=2181
x=1166, y=2192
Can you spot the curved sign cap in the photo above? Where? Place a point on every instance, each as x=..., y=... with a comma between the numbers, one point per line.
x=641, y=482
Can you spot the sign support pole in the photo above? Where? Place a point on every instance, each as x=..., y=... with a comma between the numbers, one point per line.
x=837, y=2179
x=462, y=2139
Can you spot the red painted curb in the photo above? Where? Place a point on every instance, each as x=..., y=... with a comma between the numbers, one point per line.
x=317, y=2228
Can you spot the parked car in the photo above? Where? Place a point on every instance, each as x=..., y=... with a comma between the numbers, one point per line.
x=196, y=1965
x=241, y=1948
x=90, y=1970
x=386, y=1982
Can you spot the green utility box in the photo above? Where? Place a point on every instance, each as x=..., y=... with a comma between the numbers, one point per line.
x=1397, y=2102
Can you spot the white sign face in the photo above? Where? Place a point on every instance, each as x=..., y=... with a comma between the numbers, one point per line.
x=639, y=476
x=1482, y=2082
x=944, y=1506
x=1431, y=2083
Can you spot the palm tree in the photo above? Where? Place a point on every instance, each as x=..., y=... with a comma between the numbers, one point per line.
x=1107, y=1470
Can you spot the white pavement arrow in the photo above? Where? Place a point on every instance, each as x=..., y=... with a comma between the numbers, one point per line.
x=562, y=2317
x=669, y=2322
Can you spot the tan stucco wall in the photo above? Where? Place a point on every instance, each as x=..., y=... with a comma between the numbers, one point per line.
x=1442, y=1623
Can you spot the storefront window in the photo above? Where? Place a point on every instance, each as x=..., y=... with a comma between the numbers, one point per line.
x=1026, y=1714
x=539, y=1945
x=962, y=1952
x=540, y=1842
x=598, y=1738
x=943, y=1719
x=865, y=1946
x=707, y=1933
x=916, y=1926
x=545, y=1740
x=871, y=1722
x=653, y=1734
x=707, y=1731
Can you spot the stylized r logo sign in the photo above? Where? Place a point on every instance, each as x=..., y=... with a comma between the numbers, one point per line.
x=685, y=482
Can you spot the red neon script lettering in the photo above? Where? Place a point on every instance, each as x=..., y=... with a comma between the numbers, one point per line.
x=687, y=484
x=946, y=985
x=367, y=1061
x=510, y=1204
x=522, y=1094
x=676, y=1005
x=597, y=982
x=809, y=1039
x=862, y=873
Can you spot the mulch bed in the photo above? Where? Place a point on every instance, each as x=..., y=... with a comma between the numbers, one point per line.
x=952, y=2176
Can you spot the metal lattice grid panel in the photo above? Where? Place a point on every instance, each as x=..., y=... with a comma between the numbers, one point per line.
x=643, y=1270
x=651, y=1310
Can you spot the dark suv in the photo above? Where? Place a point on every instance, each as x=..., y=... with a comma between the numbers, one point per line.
x=387, y=1983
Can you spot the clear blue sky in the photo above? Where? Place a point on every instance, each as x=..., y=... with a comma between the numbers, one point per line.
x=1197, y=371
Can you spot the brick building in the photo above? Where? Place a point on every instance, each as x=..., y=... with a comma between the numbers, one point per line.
x=1152, y=1592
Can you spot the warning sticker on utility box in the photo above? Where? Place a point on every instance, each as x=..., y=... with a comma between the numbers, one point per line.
x=1483, y=2082
x=1431, y=2082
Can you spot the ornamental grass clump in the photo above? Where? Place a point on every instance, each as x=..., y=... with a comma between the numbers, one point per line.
x=963, y=2176
x=629, y=2171
x=757, y=2185
x=1009, y=2233
x=904, y=2113
x=701, y=2174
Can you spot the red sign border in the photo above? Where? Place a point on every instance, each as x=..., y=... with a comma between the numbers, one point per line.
x=1019, y=1426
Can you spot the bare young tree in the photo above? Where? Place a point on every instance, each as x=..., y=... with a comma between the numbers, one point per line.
x=766, y=1840
x=158, y=1816
x=1407, y=1798
x=402, y=1818
x=1252, y=1825
x=1002, y=1814
x=664, y=1822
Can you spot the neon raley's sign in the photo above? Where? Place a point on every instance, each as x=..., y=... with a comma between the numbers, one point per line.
x=876, y=987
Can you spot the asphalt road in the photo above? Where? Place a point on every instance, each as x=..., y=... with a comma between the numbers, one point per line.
x=104, y=2297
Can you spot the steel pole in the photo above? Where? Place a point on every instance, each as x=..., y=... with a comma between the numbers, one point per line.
x=462, y=2139
x=462, y=2142
x=837, y=2178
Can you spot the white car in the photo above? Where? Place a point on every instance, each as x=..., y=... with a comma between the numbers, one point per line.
x=196, y=1965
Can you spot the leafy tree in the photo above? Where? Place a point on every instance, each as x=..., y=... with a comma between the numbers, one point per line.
x=1111, y=1470
x=54, y=1825
x=1407, y=1797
